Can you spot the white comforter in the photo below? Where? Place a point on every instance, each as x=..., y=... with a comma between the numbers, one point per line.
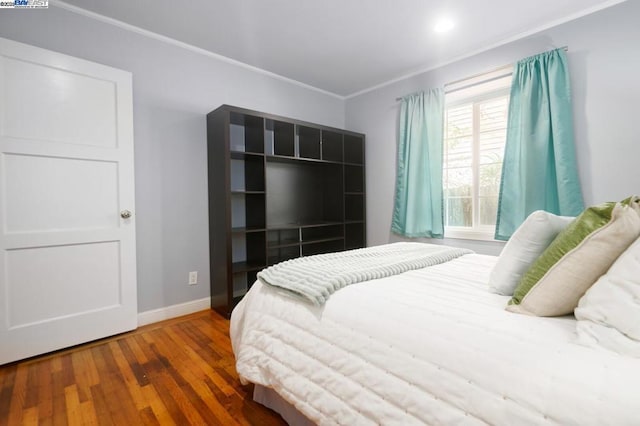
x=431, y=346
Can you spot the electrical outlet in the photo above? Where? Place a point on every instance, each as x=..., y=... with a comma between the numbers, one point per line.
x=193, y=277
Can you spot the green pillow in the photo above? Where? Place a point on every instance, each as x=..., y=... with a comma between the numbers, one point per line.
x=576, y=258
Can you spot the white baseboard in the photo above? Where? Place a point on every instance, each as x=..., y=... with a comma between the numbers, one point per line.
x=173, y=311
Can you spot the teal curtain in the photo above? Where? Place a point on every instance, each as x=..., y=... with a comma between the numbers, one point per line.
x=539, y=170
x=418, y=209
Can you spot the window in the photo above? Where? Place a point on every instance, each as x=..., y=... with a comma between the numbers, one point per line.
x=475, y=132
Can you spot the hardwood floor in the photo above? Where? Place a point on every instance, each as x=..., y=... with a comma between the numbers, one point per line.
x=179, y=371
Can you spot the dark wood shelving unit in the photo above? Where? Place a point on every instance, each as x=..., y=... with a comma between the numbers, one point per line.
x=278, y=189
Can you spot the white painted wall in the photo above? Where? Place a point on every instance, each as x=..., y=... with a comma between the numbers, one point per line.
x=604, y=59
x=173, y=89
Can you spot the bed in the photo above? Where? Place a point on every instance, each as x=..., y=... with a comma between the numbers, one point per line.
x=427, y=346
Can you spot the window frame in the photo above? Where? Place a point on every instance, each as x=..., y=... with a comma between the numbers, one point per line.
x=476, y=231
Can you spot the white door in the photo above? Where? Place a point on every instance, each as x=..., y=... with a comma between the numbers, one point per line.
x=67, y=247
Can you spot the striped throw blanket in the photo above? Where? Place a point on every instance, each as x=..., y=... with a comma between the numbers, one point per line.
x=315, y=278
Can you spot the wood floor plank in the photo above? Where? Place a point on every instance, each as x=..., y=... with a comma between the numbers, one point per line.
x=164, y=385
x=101, y=405
x=59, y=405
x=45, y=395
x=30, y=416
x=189, y=374
x=159, y=410
x=180, y=371
x=152, y=362
x=137, y=352
x=72, y=402
x=79, y=413
x=217, y=334
x=6, y=392
x=148, y=417
x=204, y=338
x=68, y=377
x=206, y=365
x=120, y=404
x=31, y=395
x=18, y=395
x=85, y=373
x=134, y=364
x=56, y=364
x=88, y=412
x=129, y=377
x=182, y=392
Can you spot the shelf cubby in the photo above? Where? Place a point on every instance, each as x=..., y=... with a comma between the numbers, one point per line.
x=247, y=174
x=323, y=247
x=283, y=237
x=314, y=233
x=354, y=149
x=331, y=146
x=247, y=210
x=353, y=235
x=248, y=251
x=302, y=192
x=242, y=282
x=246, y=133
x=279, y=138
x=354, y=207
x=353, y=178
x=308, y=142
x=281, y=254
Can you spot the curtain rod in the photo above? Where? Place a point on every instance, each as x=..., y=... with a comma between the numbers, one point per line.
x=565, y=48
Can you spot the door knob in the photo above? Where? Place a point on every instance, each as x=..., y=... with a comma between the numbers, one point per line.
x=125, y=214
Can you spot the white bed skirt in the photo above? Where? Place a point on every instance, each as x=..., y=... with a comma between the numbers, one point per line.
x=270, y=399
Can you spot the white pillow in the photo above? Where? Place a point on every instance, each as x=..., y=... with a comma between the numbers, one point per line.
x=523, y=248
x=609, y=313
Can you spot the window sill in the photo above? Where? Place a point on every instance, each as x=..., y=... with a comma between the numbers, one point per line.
x=467, y=234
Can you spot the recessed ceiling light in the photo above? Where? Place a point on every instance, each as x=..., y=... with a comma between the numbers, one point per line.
x=443, y=25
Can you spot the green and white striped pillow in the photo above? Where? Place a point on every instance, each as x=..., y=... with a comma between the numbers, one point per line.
x=576, y=258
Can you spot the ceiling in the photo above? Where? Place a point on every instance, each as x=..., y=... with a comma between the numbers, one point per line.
x=342, y=46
